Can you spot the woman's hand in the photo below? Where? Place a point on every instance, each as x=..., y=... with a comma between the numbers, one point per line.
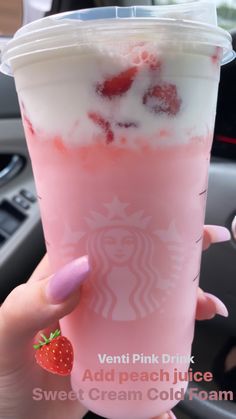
x=30, y=308
x=208, y=305
x=37, y=306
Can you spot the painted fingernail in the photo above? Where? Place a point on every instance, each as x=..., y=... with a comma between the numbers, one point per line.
x=218, y=233
x=219, y=305
x=168, y=415
x=233, y=227
x=200, y=292
x=64, y=282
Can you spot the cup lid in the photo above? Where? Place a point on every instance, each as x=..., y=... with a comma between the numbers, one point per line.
x=198, y=19
x=3, y=41
x=204, y=12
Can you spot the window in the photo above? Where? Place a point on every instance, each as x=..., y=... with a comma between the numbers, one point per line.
x=10, y=16
x=14, y=13
x=226, y=11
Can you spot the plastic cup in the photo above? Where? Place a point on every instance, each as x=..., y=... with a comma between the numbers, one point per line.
x=118, y=107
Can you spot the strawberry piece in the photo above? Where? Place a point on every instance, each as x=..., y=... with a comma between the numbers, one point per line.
x=127, y=124
x=26, y=120
x=155, y=65
x=162, y=98
x=151, y=60
x=105, y=125
x=216, y=57
x=142, y=56
x=117, y=85
x=60, y=146
x=28, y=124
x=55, y=354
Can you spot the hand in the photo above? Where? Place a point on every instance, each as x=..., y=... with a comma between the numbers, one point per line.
x=208, y=305
x=37, y=306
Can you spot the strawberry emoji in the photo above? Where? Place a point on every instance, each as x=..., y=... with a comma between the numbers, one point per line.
x=55, y=354
x=117, y=85
x=162, y=98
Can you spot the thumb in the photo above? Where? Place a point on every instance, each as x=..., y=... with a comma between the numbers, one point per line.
x=35, y=305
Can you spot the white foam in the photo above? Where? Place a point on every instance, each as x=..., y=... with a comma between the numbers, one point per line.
x=59, y=90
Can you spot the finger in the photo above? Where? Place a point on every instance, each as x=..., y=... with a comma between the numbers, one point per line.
x=214, y=234
x=35, y=305
x=208, y=306
x=167, y=415
x=42, y=271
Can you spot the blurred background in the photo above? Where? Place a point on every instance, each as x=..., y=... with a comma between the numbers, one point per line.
x=15, y=12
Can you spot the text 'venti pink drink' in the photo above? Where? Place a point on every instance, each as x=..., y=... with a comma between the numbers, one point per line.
x=118, y=106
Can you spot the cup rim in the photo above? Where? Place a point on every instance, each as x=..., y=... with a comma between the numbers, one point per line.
x=37, y=36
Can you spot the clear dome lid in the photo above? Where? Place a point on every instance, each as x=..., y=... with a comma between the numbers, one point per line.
x=194, y=22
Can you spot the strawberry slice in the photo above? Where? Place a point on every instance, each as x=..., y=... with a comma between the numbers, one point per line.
x=28, y=124
x=104, y=124
x=150, y=60
x=162, y=98
x=154, y=64
x=55, y=354
x=117, y=85
x=141, y=55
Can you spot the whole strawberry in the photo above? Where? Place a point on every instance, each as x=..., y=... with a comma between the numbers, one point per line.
x=55, y=354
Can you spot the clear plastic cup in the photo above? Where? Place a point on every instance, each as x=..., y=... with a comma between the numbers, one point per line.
x=118, y=106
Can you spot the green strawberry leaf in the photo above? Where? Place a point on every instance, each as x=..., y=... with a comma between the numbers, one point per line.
x=46, y=341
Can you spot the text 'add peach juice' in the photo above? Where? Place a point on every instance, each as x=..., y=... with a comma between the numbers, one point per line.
x=118, y=106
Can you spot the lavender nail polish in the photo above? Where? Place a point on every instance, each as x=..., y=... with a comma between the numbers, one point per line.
x=218, y=233
x=64, y=282
x=219, y=305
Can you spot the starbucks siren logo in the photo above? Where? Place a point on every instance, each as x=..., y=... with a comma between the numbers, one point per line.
x=125, y=281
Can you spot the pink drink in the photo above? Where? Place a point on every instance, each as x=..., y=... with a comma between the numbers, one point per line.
x=120, y=137
x=136, y=206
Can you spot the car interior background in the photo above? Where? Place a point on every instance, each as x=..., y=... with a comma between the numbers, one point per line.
x=21, y=237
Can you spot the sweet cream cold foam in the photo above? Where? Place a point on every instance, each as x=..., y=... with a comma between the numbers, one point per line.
x=78, y=88
x=119, y=135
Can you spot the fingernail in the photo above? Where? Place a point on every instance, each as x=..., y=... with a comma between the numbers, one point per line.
x=218, y=233
x=233, y=227
x=64, y=282
x=219, y=305
x=200, y=292
x=168, y=415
